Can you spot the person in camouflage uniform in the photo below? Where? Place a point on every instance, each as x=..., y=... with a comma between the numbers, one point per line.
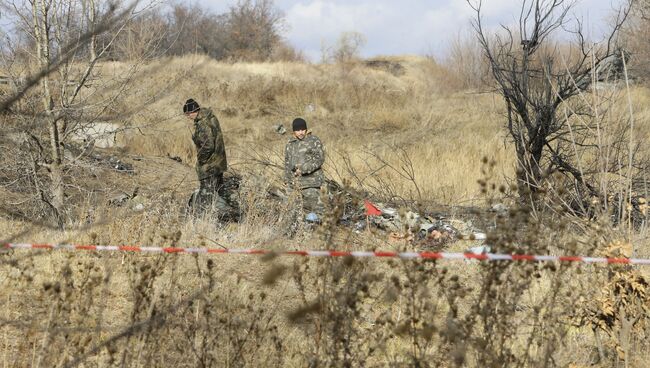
x=303, y=161
x=211, y=162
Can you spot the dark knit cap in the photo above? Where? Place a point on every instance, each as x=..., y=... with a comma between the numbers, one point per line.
x=190, y=106
x=299, y=124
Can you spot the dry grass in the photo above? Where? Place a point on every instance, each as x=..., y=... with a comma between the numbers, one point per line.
x=409, y=135
x=365, y=112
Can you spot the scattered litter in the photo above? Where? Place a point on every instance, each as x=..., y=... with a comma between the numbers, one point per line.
x=280, y=129
x=312, y=217
x=119, y=200
x=106, y=161
x=395, y=236
x=499, y=208
x=426, y=232
x=481, y=249
x=175, y=158
x=120, y=166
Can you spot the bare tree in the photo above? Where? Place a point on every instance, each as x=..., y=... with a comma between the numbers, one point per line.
x=636, y=37
x=61, y=93
x=250, y=30
x=253, y=28
x=541, y=80
x=193, y=29
x=346, y=50
x=467, y=61
x=143, y=37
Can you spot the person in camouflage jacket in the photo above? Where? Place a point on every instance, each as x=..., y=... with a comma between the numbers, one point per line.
x=303, y=161
x=211, y=162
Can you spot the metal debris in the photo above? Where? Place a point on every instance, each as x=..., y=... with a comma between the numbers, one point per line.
x=280, y=129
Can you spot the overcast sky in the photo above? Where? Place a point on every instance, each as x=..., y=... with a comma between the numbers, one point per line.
x=401, y=26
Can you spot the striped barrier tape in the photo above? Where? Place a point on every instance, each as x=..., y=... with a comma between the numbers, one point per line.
x=335, y=253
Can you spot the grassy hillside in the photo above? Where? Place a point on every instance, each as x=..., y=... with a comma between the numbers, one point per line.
x=358, y=113
x=396, y=128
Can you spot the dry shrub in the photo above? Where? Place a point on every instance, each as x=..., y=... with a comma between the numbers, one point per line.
x=616, y=315
x=634, y=40
x=188, y=311
x=466, y=62
x=369, y=109
x=201, y=310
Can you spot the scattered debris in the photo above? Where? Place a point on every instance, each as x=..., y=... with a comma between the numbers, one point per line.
x=312, y=217
x=113, y=163
x=499, y=208
x=122, y=198
x=280, y=129
x=481, y=249
x=425, y=231
x=120, y=166
x=175, y=158
x=119, y=199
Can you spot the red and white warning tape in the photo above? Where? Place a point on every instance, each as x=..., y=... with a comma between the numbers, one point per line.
x=334, y=253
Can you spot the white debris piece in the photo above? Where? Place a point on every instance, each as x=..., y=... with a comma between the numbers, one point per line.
x=481, y=249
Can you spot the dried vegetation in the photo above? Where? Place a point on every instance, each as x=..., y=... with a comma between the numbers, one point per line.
x=407, y=139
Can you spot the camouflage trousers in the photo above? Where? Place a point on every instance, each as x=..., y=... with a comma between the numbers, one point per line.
x=299, y=206
x=311, y=201
x=212, y=196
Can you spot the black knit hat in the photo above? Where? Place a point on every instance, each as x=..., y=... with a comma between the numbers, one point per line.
x=299, y=124
x=190, y=106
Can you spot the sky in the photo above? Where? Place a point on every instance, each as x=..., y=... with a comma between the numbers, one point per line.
x=397, y=27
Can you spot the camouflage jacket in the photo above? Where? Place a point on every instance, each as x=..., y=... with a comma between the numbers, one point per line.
x=306, y=155
x=210, y=150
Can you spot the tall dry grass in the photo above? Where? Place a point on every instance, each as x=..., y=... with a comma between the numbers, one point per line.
x=366, y=112
x=117, y=310
x=396, y=136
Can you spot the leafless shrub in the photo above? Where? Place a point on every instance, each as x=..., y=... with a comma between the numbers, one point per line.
x=346, y=49
x=467, y=62
x=192, y=311
x=345, y=52
x=633, y=38
x=552, y=123
x=250, y=30
x=63, y=95
x=378, y=176
x=188, y=311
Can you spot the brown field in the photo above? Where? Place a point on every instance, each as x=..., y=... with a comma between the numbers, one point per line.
x=411, y=135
